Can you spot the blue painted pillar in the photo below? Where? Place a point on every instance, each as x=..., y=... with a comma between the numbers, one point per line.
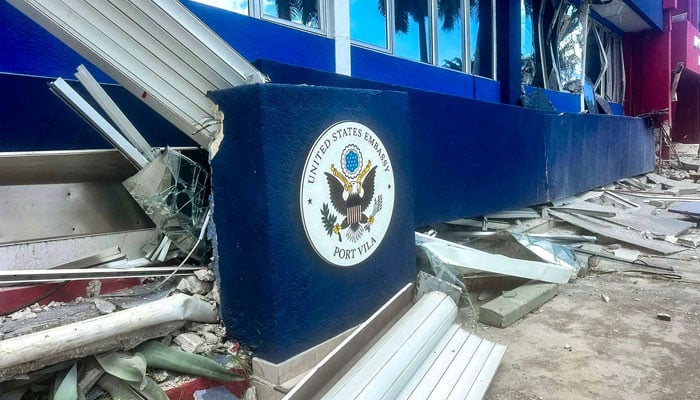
x=508, y=49
x=309, y=242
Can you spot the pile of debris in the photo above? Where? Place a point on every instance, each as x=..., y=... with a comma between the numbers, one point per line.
x=137, y=319
x=512, y=262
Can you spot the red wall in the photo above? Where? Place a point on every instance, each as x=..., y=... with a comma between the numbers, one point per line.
x=686, y=119
x=647, y=71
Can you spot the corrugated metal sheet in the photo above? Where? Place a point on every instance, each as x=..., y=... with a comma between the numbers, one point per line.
x=425, y=355
x=157, y=49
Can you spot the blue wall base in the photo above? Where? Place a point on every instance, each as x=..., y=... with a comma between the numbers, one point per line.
x=473, y=157
x=277, y=295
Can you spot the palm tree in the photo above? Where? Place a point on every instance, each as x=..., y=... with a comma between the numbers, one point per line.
x=304, y=10
x=449, y=10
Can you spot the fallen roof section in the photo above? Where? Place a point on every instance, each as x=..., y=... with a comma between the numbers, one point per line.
x=157, y=49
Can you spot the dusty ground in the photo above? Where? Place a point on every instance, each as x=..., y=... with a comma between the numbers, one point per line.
x=618, y=350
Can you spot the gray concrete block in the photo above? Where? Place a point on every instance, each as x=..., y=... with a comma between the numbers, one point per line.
x=514, y=304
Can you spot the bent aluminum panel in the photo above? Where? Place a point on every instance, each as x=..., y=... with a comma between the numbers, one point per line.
x=157, y=49
x=36, y=212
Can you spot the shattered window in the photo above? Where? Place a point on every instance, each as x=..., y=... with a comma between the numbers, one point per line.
x=604, y=66
x=528, y=61
x=172, y=190
x=570, y=39
x=412, y=24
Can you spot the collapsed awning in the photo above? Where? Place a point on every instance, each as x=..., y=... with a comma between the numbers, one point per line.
x=156, y=49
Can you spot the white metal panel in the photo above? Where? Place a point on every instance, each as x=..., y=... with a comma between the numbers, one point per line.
x=386, y=367
x=85, y=110
x=465, y=259
x=622, y=16
x=157, y=49
x=115, y=114
x=450, y=362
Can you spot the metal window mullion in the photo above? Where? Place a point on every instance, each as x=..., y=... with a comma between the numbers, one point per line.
x=466, y=62
x=604, y=60
x=433, y=14
x=553, y=36
x=494, y=53
x=541, y=46
x=583, y=11
x=255, y=8
x=390, y=25
x=623, y=81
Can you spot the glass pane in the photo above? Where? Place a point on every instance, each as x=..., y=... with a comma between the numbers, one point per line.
x=570, y=48
x=481, y=37
x=303, y=12
x=238, y=6
x=368, y=22
x=450, y=41
x=412, y=39
x=528, y=61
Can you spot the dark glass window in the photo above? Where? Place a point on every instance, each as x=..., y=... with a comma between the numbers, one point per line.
x=481, y=37
x=450, y=40
x=368, y=22
x=305, y=12
x=412, y=25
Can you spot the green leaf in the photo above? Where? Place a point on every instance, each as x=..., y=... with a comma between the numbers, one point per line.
x=131, y=368
x=117, y=388
x=151, y=390
x=14, y=394
x=35, y=377
x=159, y=356
x=66, y=385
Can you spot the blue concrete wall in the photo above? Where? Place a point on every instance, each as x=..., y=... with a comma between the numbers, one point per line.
x=473, y=157
x=585, y=151
x=277, y=295
x=34, y=119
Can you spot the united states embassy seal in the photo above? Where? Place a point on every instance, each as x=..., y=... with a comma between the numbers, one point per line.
x=347, y=194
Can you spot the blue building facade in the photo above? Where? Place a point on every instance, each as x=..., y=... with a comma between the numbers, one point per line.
x=501, y=104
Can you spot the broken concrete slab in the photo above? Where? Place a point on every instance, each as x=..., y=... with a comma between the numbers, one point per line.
x=189, y=342
x=514, y=304
x=682, y=187
x=651, y=223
